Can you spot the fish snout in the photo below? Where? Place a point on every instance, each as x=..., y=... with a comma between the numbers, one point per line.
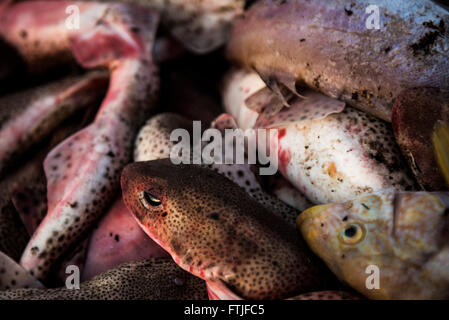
x=311, y=223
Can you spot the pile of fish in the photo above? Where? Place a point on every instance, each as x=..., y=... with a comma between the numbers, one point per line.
x=94, y=204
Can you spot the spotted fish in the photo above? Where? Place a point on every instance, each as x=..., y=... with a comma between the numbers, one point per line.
x=335, y=47
x=214, y=230
x=399, y=237
x=328, y=154
x=29, y=116
x=150, y=279
x=83, y=171
x=153, y=142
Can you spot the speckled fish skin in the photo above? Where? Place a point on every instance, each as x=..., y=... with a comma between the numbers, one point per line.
x=23, y=202
x=117, y=239
x=202, y=26
x=404, y=234
x=151, y=279
x=13, y=276
x=330, y=159
x=413, y=132
x=27, y=117
x=326, y=45
x=83, y=172
x=153, y=142
x=214, y=230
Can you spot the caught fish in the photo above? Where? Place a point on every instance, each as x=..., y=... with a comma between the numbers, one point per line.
x=116, y=240
x=329, y=152
x=217, y=232
x=402, y=235
x=13, y=276
x=23, y=200
x=29, y=116
x=331, y=47
x=413, y=130
x=151, y=279
x=201, y=26
x=83, y=171
x=153, y=142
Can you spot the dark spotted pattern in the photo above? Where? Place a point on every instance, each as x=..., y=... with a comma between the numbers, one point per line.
x=83, y=172
x=213, y=229
x=152, y=279
x=53, y=102
x=153, y=142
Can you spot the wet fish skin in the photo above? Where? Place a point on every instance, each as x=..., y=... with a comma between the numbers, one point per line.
x=402, y=234
x=150, y=279
x=81, y=188
x=27, y=117
x=328, y=159
x=214, y=230
x=413, y=132
x=326, y=46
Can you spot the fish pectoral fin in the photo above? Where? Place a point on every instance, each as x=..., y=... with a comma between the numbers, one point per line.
x=280, y=86
x=314, y=106
x=15, y=276
x=440, y=139
x=218, y=290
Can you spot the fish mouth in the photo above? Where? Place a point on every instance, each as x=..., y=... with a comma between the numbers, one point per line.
x=309, y=214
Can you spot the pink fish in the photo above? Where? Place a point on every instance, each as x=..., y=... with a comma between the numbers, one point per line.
x=118, y=239
x=83, y=171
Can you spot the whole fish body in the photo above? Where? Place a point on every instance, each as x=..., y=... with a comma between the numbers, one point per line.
x=327, y=46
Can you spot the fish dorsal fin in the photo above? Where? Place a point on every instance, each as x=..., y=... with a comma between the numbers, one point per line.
x=269, y=102
x=313, y=106
x=31, y=204
x=13, y=276
x=224, y=121
x=59, y=166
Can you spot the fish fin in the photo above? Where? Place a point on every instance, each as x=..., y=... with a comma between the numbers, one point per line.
x=224, y=121
x=14, y=276
x=440, y=139
x=315, y=106
x=218, y=290
x=266, y=101
x=59, y=165
x=113, y=36
x=31, y=204
x=281, y=91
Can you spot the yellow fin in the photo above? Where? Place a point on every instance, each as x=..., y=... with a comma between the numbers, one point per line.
x=440, y=138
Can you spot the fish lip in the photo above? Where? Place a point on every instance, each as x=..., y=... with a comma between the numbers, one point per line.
x=309, y=214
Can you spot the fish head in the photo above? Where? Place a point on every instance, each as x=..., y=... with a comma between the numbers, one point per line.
x=213, y=229
x=147, y=187
x=172, y=202
x=387, y=233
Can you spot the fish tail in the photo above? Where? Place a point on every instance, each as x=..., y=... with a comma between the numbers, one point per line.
x=440, y=139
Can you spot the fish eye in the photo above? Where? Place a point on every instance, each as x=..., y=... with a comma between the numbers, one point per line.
x=149, y=200
x=352, y=233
